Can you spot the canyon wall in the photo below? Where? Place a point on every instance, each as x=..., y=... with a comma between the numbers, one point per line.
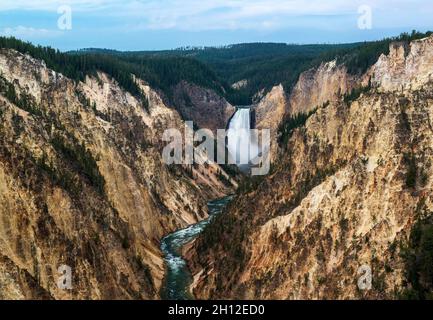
x=82, y=184
x=315, y=87
x=208, y=109
x=344, y=197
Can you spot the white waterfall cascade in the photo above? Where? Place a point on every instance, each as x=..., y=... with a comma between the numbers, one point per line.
x=241, y=144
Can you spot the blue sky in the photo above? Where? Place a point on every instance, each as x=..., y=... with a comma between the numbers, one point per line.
x=165, y=24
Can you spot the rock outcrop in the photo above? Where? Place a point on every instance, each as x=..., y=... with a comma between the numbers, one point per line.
x=407, y=67
x=317, y=86
x=205, y=107
x=269, y=112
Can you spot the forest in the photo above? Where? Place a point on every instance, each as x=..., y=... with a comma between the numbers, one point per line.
x=263, y=65
x=160, y=72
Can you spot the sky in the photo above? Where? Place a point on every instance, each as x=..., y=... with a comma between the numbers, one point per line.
x=167, y=24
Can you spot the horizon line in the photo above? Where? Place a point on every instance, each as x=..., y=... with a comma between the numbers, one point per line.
x=224, y=46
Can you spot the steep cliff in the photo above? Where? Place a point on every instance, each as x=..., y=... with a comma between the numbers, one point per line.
x=203, y=106
x=405, y=68
x=320, y=85
x=346, y=194
x=270, y=112
x=82, y=184
x=317, y=86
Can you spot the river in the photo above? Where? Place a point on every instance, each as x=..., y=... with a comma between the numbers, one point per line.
x=178, y=277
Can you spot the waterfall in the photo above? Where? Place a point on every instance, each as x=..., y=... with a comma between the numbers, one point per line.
x=240, y=144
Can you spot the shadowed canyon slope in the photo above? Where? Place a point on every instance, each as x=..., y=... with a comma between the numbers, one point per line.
x=348, y=190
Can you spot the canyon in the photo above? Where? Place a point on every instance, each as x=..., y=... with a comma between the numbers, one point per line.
x=83, y=184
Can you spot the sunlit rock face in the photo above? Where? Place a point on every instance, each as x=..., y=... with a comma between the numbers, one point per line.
x=333, y=81
x=405, y=68
x=269, y=113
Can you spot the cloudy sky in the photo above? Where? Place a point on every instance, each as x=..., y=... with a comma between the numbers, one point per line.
x=165, y=24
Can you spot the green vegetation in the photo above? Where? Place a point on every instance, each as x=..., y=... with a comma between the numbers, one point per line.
x=404, y=121
x=289, y=125
x=356, y=93
x=62, y=178
x=249, y=184
x=359, y=58
x=76, y=67
x=24, y=102
x=161, y=72
x=17, y=124
x=263, y=65
x=412, y=172
x=309, y=182
x=223, y=179
x=226, y=232
x=418, y=257
x=81, y=159
x=166, y=72
x=126, y=243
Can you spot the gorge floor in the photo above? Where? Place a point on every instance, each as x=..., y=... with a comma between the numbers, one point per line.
x=178, y=277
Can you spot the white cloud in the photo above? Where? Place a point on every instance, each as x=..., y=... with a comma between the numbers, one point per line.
x=52, y=5
x=228, y=14
x=28, y=32
x=199, y=15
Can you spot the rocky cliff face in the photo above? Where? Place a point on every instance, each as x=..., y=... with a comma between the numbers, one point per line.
x=82, y=184
x=204, y=106
x=317, y=86
x=347, y=192
x=270, y=111
x=405, y=68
